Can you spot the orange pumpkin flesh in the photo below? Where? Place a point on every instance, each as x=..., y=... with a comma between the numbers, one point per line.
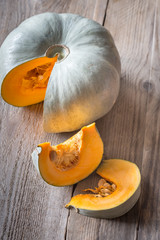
x=73, y=160
x=26, y=84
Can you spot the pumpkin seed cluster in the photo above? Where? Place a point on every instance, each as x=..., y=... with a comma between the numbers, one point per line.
x=104, y=188
x=66, y=155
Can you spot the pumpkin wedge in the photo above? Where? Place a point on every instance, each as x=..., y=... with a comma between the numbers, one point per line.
x=71, y=161
x=117, y=193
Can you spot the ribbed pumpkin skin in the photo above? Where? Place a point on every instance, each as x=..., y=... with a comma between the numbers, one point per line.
x=85, y=85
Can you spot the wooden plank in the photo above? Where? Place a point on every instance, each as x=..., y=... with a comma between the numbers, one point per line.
x=123, y=129
x=149, y=222
x=31, y=209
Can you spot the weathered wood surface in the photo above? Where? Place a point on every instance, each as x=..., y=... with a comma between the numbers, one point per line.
x=31, y=209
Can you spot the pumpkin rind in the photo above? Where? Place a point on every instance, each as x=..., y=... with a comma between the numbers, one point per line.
x=85, y=85
x=126, y=176
x=114, y=212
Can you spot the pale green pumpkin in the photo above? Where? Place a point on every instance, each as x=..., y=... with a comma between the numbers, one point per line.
x=84, y=83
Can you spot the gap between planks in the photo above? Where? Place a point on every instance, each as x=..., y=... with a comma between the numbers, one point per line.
x=69, y=213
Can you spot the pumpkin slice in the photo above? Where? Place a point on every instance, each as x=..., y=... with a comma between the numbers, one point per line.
x=71, y=161
x=116, y=194
x=26, y=84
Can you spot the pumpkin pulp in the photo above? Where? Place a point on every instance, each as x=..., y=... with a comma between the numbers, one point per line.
x=73, y=160
x=26, y=84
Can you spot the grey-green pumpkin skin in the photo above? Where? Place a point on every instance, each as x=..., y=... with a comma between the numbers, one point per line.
x=85, y=85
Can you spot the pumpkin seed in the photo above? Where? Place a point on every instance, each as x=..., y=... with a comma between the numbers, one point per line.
x=107, y=185
x=101, y=182
x=105, y=194
x=105, y=190
x=113, y=186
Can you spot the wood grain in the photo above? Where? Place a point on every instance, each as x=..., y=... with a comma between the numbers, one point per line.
x=31, y=209
x=149, y=222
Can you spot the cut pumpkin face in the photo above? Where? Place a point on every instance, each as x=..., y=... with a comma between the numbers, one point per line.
x=116, y=194
x=71, y=161
x=26, y=84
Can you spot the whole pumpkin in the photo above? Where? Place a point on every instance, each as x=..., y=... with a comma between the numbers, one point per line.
x=83, y=84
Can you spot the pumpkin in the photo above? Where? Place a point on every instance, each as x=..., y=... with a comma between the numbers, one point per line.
x=117, y=193
x=81, y=87
x=71, y=161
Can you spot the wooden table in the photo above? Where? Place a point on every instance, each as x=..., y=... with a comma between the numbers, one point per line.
x=29, y=208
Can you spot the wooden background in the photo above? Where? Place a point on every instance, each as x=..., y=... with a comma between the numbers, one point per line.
x=31, y=209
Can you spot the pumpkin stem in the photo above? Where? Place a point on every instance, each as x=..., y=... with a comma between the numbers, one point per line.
x=61, y=50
